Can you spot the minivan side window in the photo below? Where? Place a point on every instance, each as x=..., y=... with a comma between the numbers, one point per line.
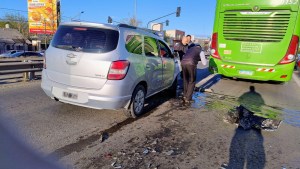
x=164, y=50
x=150, y=46
x=134, y=44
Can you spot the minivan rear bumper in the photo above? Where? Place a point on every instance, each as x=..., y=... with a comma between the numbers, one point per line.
x=86, y=98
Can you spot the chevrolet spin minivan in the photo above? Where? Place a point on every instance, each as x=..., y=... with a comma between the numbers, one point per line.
x=105, y=66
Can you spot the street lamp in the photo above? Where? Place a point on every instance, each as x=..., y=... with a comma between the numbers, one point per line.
x=178, y=10
x=79, y=14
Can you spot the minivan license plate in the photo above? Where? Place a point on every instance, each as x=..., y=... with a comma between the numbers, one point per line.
x=246, y=72
x=70, y=95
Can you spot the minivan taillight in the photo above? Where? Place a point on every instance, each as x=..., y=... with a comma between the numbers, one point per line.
x=44, y=62
x=292, y=51
x=214, y=46
x=118, y=70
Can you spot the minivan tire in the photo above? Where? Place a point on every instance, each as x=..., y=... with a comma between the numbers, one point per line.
x=137, y=102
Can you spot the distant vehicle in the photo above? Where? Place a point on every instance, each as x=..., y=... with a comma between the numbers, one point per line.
x=8, y=53
x=255, y=39
x=105, y=66
x=26, y=54
x=297, y=65
x=42, y=53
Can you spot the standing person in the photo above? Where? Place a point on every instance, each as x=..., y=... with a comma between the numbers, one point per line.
x=189, y=41
x=189, y=68
x=181, y=47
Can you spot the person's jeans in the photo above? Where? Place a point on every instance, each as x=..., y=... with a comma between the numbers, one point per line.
x=189, y=72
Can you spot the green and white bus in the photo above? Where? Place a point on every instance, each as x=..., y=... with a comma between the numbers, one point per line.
x=255, y=39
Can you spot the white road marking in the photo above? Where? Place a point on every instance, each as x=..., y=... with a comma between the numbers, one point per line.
x=203, y=81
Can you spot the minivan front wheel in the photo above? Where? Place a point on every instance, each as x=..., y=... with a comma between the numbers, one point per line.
x=137, y=101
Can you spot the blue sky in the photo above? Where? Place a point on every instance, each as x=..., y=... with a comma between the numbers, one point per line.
x=197, y=16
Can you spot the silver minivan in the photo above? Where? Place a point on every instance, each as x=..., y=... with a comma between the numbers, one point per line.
x=105, y=66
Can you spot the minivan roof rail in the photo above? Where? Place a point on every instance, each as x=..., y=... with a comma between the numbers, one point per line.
x=138, y=28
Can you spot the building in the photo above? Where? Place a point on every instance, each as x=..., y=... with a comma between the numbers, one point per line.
x=12, y=39
x=203, y=41
x=174, y=36
x=157, y=26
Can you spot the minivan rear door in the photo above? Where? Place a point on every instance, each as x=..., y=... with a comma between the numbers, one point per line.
x=80, y=56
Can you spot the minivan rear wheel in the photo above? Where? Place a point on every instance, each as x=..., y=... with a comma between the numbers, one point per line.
x=137, y=102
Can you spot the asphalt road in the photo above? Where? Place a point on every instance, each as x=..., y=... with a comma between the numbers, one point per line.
x=48, y=124
x=69, y=132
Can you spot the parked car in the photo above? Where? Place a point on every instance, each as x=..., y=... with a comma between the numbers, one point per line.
x=26, y=54
x=8, y=53
x=107, y=66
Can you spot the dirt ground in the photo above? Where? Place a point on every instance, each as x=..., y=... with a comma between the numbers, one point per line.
x=172, y=136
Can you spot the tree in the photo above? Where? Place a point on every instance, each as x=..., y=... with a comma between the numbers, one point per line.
x=132, y=21
x=19, y=22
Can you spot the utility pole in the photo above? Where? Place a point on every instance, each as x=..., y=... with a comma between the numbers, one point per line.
x=135, y=9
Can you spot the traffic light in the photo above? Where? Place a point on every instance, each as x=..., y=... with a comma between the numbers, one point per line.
x=109, y=20
x=178, y=11
x=167, y=22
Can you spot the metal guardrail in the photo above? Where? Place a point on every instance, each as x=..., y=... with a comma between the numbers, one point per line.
x=28, y=66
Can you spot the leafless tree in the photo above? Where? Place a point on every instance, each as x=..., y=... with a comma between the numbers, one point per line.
x=17, y=21
x=133, y=21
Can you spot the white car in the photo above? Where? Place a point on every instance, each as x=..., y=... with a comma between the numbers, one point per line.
x=107, y=66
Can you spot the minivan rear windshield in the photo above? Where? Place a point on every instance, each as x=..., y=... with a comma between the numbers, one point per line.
x=85, y=39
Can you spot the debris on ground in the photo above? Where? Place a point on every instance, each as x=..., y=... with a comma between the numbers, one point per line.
x=116, y=165
x=224, y=166
x=202, y=90
x=104, y=136
x=248, y=120
x=146, y=151
x=171, y=152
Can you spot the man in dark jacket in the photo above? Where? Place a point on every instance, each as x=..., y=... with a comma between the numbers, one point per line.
x=181, y=47
x=189, y=68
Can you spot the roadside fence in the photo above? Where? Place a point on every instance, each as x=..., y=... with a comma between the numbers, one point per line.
x=28, y=66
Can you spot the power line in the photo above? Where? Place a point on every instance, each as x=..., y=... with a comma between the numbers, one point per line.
x=9, y=9
x=16, y=20
x=12, y=20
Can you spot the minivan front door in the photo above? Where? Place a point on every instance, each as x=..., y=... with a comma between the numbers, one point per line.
x=168, y=64
x=153, y=67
